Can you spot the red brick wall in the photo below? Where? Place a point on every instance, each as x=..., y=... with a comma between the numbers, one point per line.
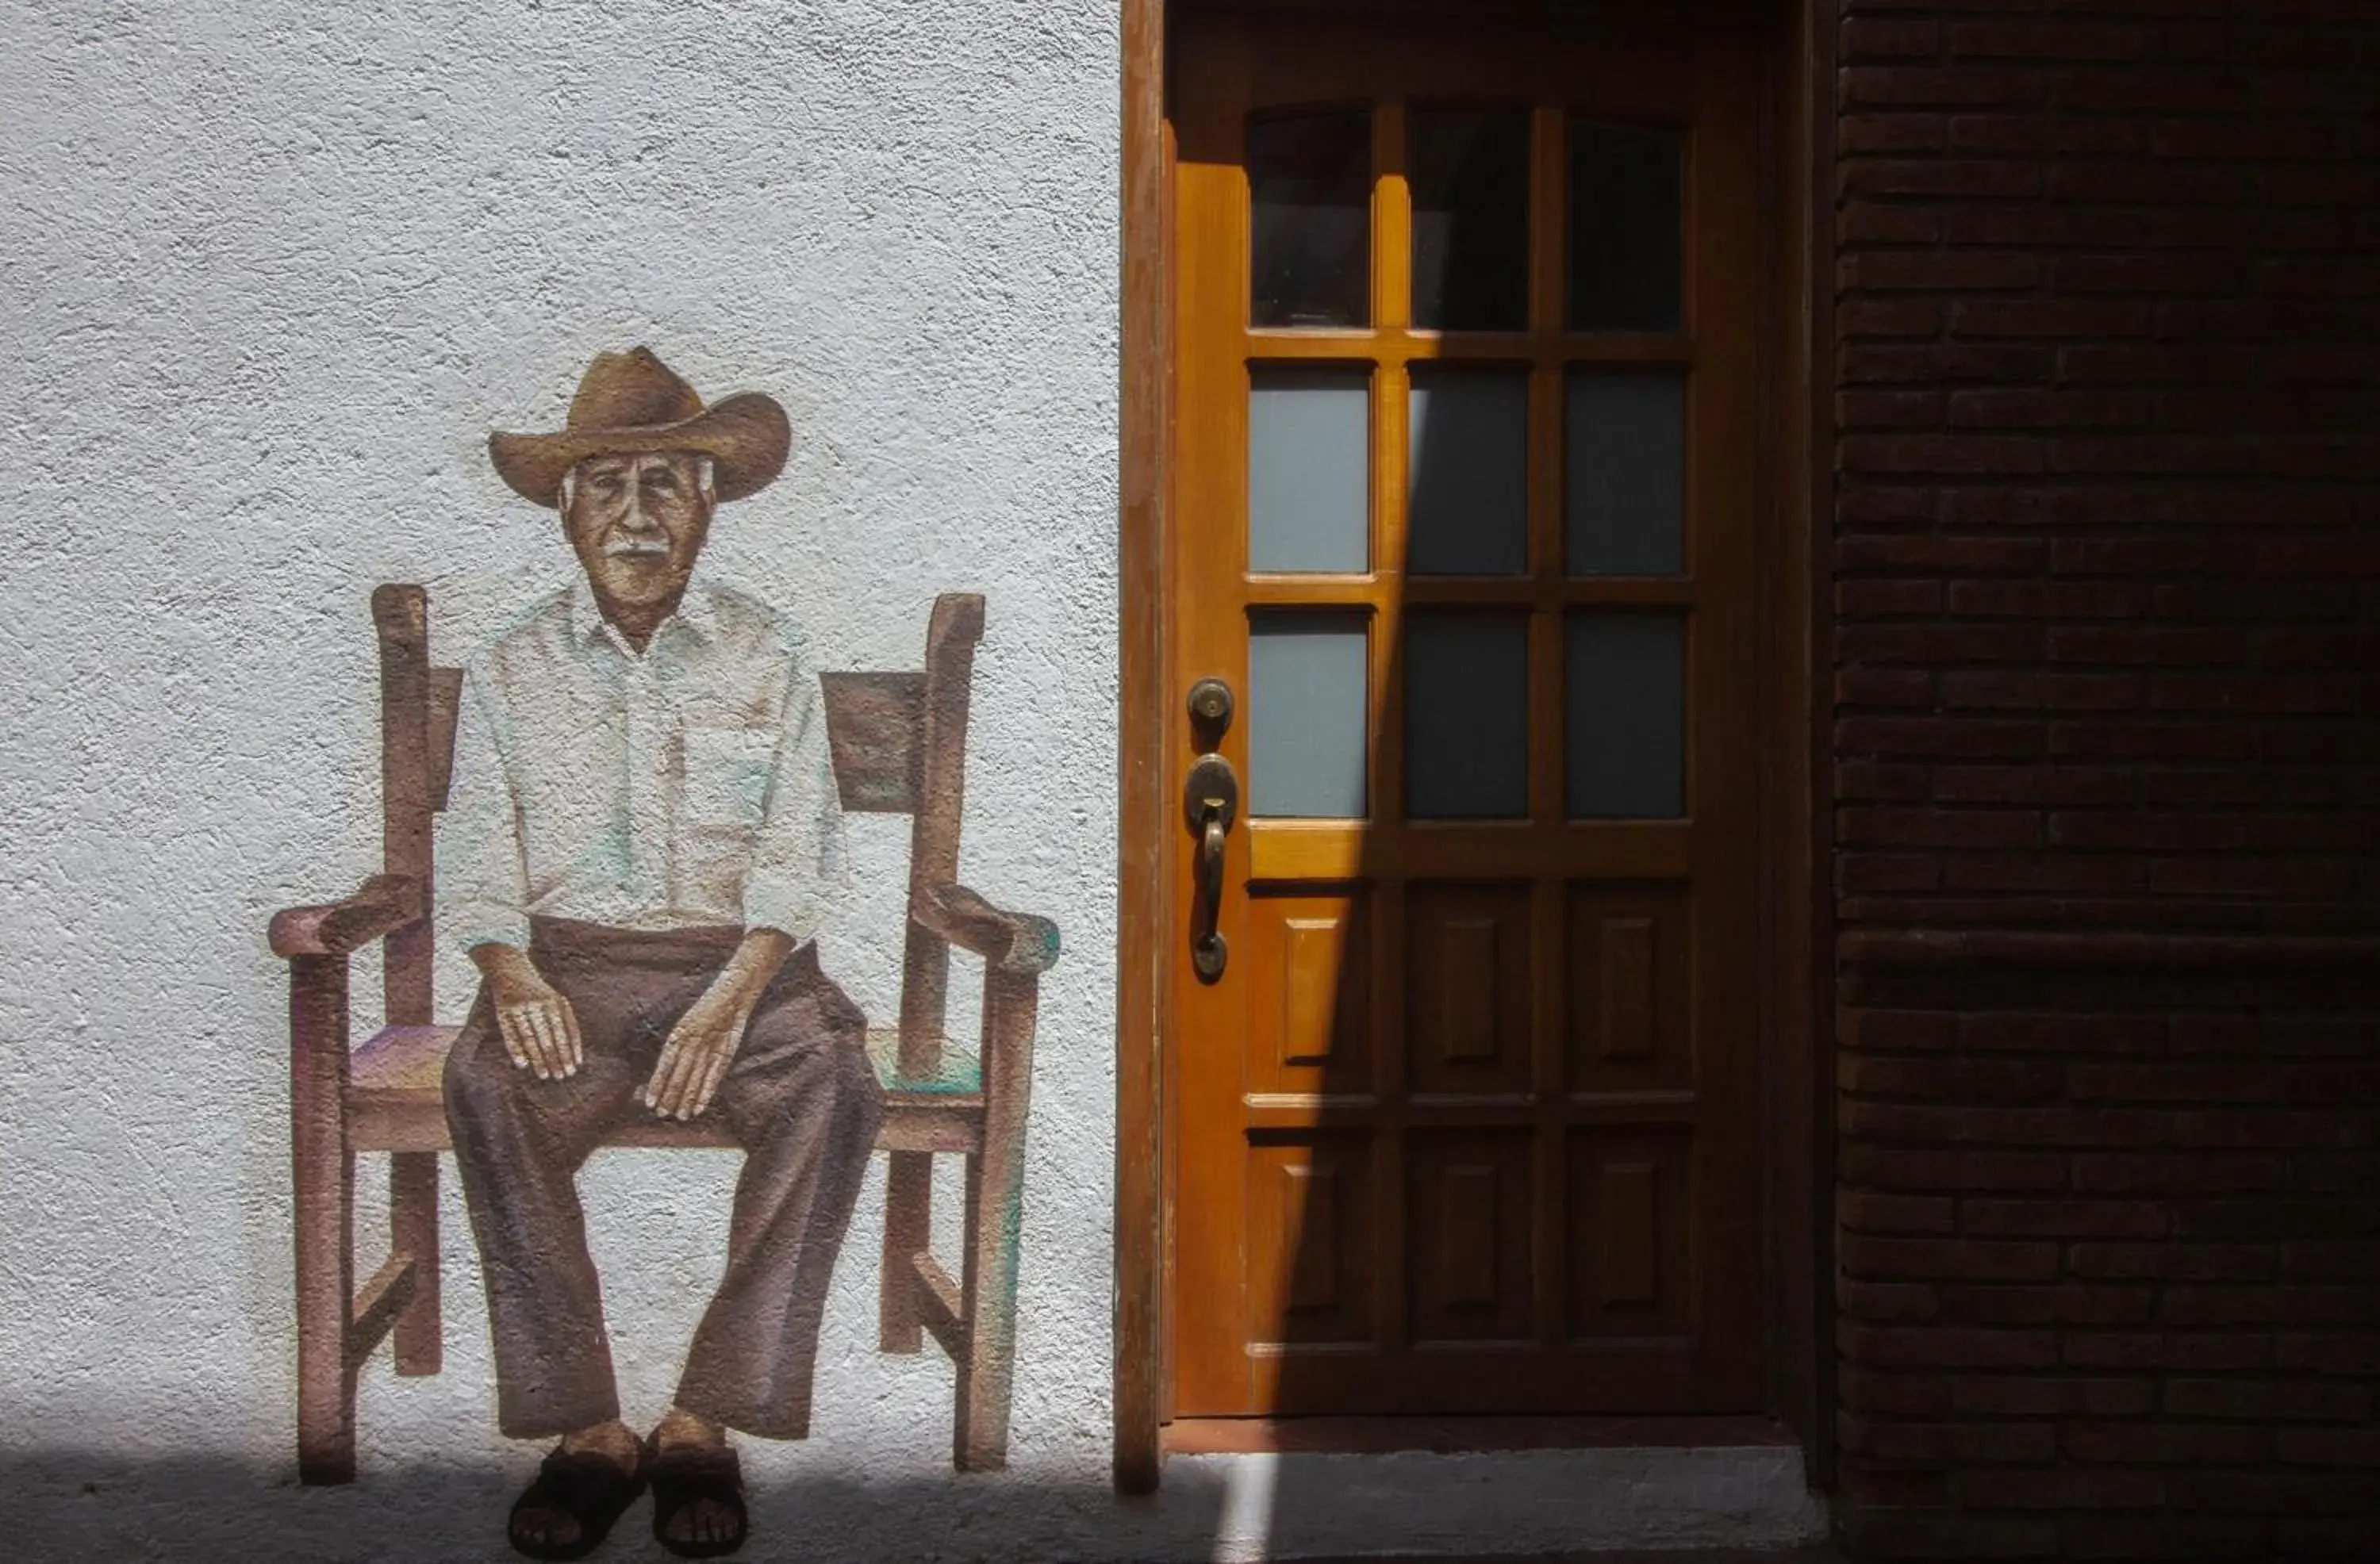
x=2108, y=770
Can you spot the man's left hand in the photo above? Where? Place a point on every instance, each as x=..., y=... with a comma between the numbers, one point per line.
x=695, y=1057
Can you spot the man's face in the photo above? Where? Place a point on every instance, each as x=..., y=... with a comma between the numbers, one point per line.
x=638, y=521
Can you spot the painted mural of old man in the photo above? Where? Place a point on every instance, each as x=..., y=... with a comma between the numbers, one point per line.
x=642, y=840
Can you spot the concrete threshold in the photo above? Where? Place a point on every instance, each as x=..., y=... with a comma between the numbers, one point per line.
x=1815, y=1555
x=1524, y=1504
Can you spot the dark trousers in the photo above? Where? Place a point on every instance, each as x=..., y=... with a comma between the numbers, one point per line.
x=799, y=1097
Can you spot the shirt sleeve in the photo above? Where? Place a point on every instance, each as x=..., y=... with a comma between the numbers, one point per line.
x=799, y=870
x=482, y=878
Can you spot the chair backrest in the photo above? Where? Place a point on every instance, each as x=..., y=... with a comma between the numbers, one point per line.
x=899, y=744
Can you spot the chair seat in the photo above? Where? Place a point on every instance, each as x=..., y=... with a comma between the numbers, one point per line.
x=395, y=1101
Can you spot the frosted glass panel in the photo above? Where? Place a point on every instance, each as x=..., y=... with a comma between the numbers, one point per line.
x=1625, y=238
x=1624, y=478
x=1470, y=478
x=1306, y=685
x=1310, y=188
x=1309, y=485
x=1469, y=170
x=1466, y=716
x=1624, y=715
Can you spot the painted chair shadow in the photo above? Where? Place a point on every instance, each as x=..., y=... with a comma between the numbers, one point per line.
x=899, y=744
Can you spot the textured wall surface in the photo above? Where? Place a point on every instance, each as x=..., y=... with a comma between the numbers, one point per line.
x=2107, y=739
x=269, y=273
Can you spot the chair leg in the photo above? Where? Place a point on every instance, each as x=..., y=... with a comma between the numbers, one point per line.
x=326, y=1389
x=987, y=1373
x=908, y=1227
x=323, y=1171
x=995, y=1210
x=413, y=1231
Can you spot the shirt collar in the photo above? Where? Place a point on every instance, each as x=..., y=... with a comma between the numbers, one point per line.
x=696, y=610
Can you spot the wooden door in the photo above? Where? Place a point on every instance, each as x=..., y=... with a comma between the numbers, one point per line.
x=1463, y=506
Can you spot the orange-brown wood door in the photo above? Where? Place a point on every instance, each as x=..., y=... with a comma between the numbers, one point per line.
x=1462, y=516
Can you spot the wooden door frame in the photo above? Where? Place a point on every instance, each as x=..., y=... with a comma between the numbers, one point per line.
x=1796, y=948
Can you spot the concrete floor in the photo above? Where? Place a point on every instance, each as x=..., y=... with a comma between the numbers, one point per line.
x=68, y=1508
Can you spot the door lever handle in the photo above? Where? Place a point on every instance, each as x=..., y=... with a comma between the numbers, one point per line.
x=1211, y=799
x=1208, y=950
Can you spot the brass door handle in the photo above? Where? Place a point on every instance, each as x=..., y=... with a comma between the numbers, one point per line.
x=1207, y=948
x=1212, y=800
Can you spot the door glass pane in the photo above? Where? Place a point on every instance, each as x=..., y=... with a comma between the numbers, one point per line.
x=1466, y=716
x=1625, y=233
x=1306, y=686
x=1469, y=481
x=1469, y=172
x=1625, y=478
x=1309, y=466
x=1310, y=181
x=1624, y=715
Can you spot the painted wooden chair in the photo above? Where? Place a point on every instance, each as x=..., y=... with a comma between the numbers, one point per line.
x=899, y=744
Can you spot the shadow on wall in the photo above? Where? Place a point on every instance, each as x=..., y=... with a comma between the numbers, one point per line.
x=88, y=1506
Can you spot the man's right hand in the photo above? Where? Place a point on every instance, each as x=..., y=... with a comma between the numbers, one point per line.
x=539, y=1027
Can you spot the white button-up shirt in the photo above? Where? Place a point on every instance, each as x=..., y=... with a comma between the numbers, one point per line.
x=690, y=785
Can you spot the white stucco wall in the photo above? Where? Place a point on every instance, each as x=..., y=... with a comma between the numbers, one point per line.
x=269, y=273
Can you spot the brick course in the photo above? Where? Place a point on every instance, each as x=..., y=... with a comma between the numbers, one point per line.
x=2105, y=724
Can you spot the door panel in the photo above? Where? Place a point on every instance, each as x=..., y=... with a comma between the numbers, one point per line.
x=1464, y=461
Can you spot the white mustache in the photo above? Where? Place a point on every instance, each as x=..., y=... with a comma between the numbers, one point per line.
x=620, y=547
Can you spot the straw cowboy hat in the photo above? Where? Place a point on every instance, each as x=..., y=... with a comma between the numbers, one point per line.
x=631, y=402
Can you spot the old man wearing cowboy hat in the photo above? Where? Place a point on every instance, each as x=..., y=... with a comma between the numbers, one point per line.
x=642, y=839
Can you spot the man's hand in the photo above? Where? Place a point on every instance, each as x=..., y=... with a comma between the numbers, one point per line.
x=697, y=1052
x=539, y=1027
x=705, y=1039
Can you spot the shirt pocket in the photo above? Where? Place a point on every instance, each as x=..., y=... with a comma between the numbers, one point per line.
x=725, y=786
x=723, y=796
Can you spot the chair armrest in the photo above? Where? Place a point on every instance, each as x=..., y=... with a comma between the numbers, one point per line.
x=1013, y=941
x=386, y=904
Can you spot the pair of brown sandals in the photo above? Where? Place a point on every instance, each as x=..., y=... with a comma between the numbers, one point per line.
x=593, y=1490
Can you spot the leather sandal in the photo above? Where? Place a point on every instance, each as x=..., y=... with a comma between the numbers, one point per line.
x=589, y=1487
x=686, y=1475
